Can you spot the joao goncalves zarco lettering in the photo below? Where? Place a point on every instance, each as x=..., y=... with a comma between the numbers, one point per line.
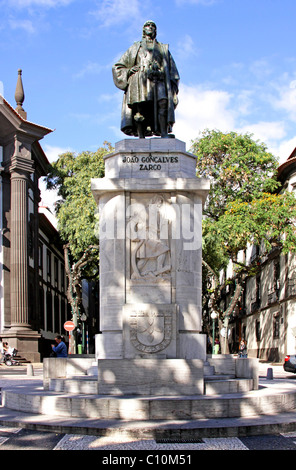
x=150, y=162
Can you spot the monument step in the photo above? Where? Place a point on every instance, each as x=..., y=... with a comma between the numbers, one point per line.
x=84, y=385
x=223, y=386
x=217, y=377
x=213, y=384
x=208, y=370
x=210, y=406
x=93, y=370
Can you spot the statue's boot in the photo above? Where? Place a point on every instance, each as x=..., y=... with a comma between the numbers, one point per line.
x=162, y=119
x=139, y=119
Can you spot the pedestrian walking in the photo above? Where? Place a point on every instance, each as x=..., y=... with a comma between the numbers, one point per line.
x=243, y=352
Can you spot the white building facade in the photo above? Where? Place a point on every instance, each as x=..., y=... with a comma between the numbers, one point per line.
x=266, y=318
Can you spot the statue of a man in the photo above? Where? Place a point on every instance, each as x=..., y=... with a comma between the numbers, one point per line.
x=149, y=77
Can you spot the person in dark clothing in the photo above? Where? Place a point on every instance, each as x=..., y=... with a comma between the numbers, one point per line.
x=243, y=349
x=60, y=347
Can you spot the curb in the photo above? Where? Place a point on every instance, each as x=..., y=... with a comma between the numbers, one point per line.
x=222, y=428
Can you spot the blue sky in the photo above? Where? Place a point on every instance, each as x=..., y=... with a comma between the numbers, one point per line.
x=236, y=59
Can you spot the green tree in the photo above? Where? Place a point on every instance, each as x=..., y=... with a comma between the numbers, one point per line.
x=76, y=213
x=244, y=207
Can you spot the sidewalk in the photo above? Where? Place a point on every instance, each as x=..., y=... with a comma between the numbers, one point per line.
x=282, y=382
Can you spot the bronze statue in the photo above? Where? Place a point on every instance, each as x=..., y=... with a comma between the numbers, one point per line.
x=149, y=77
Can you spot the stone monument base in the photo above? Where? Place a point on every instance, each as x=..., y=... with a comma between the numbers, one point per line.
x=190, y=346
x=167, y=377
x=150, y=208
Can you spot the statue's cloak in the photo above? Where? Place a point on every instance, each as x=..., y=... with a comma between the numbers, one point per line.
x=121, y=78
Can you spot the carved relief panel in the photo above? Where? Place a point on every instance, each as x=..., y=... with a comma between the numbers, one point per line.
x=150, y=329
x=149, y=236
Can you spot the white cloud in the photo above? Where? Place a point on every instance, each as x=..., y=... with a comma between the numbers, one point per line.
x=93, y=68
x=186, y=48
x=37, y=3
x=195, y=2
x=26, y=25
x=53, y=153
x=245, y=102
x=114, y=12
x=50, y=197
x=267, y=132
x=284, y=149
x=287, y=100
x=261, y=68
x=199, y=109
x=28, y=15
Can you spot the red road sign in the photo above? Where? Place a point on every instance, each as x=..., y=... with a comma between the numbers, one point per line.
x=69, y=326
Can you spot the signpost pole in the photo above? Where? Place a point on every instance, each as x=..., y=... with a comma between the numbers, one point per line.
x=70, y=326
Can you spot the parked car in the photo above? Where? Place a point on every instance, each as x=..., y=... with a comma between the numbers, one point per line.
x=290, y=363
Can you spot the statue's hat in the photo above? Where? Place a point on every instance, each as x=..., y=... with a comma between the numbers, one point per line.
x=149, y=22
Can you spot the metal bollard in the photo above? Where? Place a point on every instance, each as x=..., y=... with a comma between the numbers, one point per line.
x=30, y=370
x=269, y=374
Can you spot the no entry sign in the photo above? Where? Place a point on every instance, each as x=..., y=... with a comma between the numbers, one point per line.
x=69, y=326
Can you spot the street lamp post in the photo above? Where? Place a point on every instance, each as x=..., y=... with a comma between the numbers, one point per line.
x=83, y=318
x=213, y=317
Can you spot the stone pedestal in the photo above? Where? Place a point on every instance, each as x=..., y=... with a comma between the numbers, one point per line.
x=150, y=211
x=167, y=377
x=26, y=341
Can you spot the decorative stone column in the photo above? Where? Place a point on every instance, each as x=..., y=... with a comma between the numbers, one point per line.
x=20, y=335
x=19, y=250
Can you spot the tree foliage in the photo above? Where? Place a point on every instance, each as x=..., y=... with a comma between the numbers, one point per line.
x=76, y=208
x=244, y=207
x=239, y=168
x=76, y=213
x=267, y=221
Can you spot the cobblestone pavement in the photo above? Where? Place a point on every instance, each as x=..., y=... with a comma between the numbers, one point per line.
x=279, y=442
x=75, y=442
x=23, y=439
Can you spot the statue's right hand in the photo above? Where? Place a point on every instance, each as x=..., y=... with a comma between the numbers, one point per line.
x=134, y=69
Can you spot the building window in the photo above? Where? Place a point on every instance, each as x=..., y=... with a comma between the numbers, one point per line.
x=57, y=314
x=40, y=256
x=56, y=272
x=258, y=289
x=254, y=253
x=276, y=275
x=49, y=311
x=257, y=304
x=41, y=306
x=48, y=263
x=63, y=312
x=258, y=331
x=62, y=278
x=276, y=327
